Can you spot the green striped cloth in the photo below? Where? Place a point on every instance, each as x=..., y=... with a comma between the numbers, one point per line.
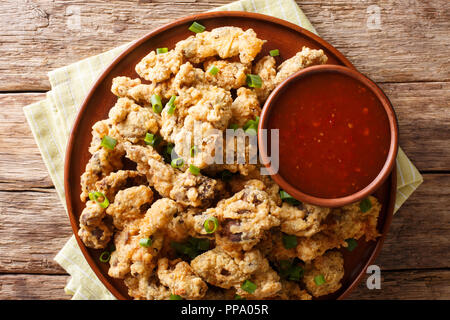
x=51, y=120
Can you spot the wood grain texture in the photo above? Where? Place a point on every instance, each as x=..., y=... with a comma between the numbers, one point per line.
x=395, y=285
x=41, y=35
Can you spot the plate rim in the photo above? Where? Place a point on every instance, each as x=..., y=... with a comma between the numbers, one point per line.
x=136, y=43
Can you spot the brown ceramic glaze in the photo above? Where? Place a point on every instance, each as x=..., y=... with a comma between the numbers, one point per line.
x=287, y=37
x=323, y=73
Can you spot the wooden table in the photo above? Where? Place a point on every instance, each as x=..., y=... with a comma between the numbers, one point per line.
x=408, y=56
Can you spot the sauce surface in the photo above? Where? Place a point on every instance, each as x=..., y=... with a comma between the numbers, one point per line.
x=334, y=135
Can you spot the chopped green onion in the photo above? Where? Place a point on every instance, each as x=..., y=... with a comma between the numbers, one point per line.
x=112, y=247
x=274, y=53
x=197, y=27
x=192, y=248
x=252, y=123
x=319, y=280
x=234, y=126
x=108, y=142
x=213, y=70
x=94, y=196
x=156, y=103
x=208, y=227
x=254, y=81
x=251, y=131
x=238, y=297
x=162, y=50
x=170, y=147
x=145, y=242
x=226, y=175
x=193, y=151
x=248, y=286
x=289, y=241
x=365, y=205
x=288, y=198
x=295, y=273
x=105, y=256
x=152, y=139
x=175, y=297
x=194, y=170
x=177, y=163
x=167, y=153
x=351, y=244
x=171, y=105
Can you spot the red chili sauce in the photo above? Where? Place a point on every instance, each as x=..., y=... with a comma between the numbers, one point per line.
x=334, y=135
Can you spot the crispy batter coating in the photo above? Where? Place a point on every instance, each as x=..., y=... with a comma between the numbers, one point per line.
x=132, y=121
x=183, y=187
x=231, y=75
x=343, y=223
x=266, y=69
x=130, y=204
x=125, y=87
x=331, y=267
x=245, y=107
x=117, y=181
x=303, y=220
x=95, y=229
x=225, y=42
x=159, y=67
x=305, y=58
x=244, y=218
x=179, y=277
x=291, y=291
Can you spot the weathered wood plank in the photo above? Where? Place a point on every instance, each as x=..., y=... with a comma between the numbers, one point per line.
x=407, y=285
x=33, y=287
x=422, y=109
x=33, y=227
x=21, y=165
x=38, y=36
x=421, y=284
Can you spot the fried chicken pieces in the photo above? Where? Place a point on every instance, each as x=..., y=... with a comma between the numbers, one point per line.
x=151, y=187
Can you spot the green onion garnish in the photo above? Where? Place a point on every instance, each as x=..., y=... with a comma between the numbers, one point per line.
x=105, y=256
x=238, y=297
x=211, y=224
x=290, y=271
x=251, y=123
x=289, y=241
x=145, y=242
x=156, y=103
x=319, y=280
x=193, y=151
x=162, y=50
x=254, y=81
x=108, y=142
x=251, y=131
x=365, y=205
x=152, y=139
x=274, y=53
x=248, y=286
x=175, y=297
x=286, y=197
x=171, y=105
x=351, y=244
x=213, y=70
x=233, y=126
x=177, y=163
x=197, y=27
x=94, y=196
x=112, y=247
x=194, y=170
x=295, y=273
x=170, y=147
x=192, y=248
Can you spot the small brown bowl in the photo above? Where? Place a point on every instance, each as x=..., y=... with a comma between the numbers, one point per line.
x=324, y=71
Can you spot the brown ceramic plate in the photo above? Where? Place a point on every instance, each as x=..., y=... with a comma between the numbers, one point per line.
x=287, y=37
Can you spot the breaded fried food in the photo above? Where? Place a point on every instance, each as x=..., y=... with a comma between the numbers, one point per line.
x=303, y=220
x=183, y=187
x=159, y=67
x=125, y=87
x=245, y=107
x=230, y=74
x=119, y=180
x=95, y=229
x=343, y=223
x=225, y=42
x=328, y=269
